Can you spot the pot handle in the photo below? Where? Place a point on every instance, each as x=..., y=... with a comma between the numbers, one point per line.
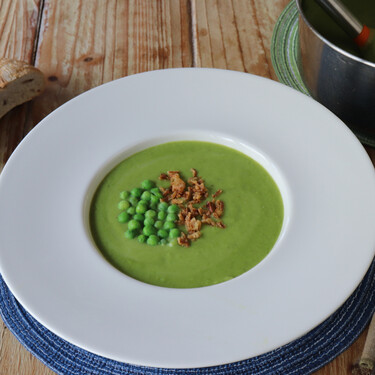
x=342, y=15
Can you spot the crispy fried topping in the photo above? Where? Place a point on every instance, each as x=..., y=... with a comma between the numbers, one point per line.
x=217, y=193
x=163, y=176
x=211, y=207
x=177, y=183
x=194, y=211
x=183, y=240
x=190, y=197
x=166, y=192
x=192, y=224
x=209, y=221
x=220, y=224
x=194, y=236
x=219, y=208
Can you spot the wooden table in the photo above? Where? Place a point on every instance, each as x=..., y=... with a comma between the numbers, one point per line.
x=82, y=44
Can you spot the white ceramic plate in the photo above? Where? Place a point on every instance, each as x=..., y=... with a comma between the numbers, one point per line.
x=51, y=265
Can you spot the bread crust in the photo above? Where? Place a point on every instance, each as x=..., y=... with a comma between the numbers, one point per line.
x=19, y=83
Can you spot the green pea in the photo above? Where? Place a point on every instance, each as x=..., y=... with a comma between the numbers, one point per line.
x=131, y=210
x=163, y=206
x=171, y=217
x=154, y=205
x=139, y=217
x=174, y=233
x=136, y=192
x=141, y=208
x=146, y=196
x=158, y=224
x=130, y=234
x=154, y=199
x=124, y=194
x=162, y=233
x=162, y=215
x=163, y=241
x=149, y=221
x=133, y=201
x=169, y=225
x=134, y=225
x=173, y=209
x=142, y=238
x=123, y=205
x=147, y=184
x=157, y=193
x=173, y=242
x=124, y=217
x=149, y=230
x=151, y=214
x=153, y=240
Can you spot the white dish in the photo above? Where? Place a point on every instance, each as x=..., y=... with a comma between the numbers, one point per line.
x=52, y=267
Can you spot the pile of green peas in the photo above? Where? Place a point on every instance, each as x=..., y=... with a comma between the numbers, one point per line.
x=149, y=220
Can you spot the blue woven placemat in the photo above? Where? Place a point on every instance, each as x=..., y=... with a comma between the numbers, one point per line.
x=300, y=357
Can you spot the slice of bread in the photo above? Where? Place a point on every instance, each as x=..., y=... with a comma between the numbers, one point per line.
x=19, y=83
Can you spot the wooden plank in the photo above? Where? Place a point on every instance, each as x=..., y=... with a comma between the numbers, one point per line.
x=267, y=13
x=18, y=21
x=343, y=364
x=18, y=25
x=83, y=44
x=86, y=43
x=16, y=360
x=236, y=35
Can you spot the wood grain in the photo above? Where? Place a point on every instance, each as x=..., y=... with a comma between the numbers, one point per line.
x=82, y=44
x=16, y=360
x=267, y=13
x=236, y=35
x=18, y=25
x=18, y=30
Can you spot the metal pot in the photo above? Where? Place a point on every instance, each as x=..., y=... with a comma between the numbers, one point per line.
x=341, y=81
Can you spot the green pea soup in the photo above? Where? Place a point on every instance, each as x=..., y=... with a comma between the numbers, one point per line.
x=253, y=216
x=364, y=10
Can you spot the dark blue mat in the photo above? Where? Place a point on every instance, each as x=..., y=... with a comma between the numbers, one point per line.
x=302, y=356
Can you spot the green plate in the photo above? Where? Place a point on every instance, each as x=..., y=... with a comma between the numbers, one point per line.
x=284, y=49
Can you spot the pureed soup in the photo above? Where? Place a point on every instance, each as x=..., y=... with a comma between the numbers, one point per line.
x=251, y=217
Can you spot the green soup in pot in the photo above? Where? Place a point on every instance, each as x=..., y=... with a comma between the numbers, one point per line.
x=363, y=10
x=253, y=216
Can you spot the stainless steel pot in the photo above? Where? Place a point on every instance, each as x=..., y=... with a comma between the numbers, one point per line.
x=341, y=81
